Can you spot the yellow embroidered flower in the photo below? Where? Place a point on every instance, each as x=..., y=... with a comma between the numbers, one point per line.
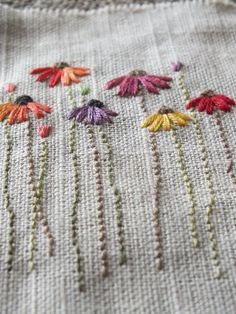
x=165, y=118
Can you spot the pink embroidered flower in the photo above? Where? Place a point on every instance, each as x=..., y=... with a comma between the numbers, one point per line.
x=176, y=66
x=44, y=130
x=209, y=100
x=9, y=87
x=61, y=71
x=131, y=84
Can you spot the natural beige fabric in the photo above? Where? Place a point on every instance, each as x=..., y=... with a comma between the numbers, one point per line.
x=112, y=42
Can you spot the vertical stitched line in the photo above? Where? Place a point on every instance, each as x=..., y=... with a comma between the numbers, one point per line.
x=40, y=213
x=117, y=196
x=6, y=198
x=208, y=175
x=100, y=202
x=189, y=188
x=227, y=151
x=34, y=198
x=156, y=190
x=76, y=200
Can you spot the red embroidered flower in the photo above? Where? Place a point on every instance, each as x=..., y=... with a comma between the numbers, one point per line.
x=18, y=110
x=61, y=71
x=131, y=84
x=209, y=100
x=44, y=130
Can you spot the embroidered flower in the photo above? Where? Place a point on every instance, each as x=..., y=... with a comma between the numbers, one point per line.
x=176, y=66
x=136, y=80
x=44, y=130
x=18, y=110
x=165, y=118
x=209, y=100
x=60, y=71
x=9, y=87
x=93, y=113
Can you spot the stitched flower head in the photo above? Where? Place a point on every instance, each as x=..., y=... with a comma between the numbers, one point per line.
x=131, y=84
x=18, y=110
x=165, y=118
x=94, y=112
x=61, y=71
x=209, y=101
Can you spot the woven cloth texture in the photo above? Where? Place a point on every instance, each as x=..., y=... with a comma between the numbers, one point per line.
x=110, y=43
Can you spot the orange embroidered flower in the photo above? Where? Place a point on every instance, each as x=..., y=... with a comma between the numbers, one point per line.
x=18, y=111
x=61, y=71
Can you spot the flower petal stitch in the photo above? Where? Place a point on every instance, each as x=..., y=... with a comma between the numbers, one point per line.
x=136, y=80
x=61, y=71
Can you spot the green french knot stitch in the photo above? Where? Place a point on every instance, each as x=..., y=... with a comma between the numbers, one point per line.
x=117, y=196
x=209, y=179
x=34, y=197
x=189, y=189
x=74, y=218
x=6, y=198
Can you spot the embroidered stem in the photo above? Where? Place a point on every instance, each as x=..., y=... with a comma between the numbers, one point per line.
x=227, y=151
x=40, y=213
x=76, y=200
x=100, y=202
x=34, y=198
x=156, y=189
x=208, y=176
x=189, y=188
x=117, y=196
x=6, y=198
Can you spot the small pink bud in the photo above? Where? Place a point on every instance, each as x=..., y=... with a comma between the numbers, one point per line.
x=44, y=130
x=9, y=87
x=176, y=66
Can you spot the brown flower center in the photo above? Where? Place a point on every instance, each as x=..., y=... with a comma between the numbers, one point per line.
x=165, y=110
x=137, y=72
x=208, y=93
x=61, y=65
x=23, y=100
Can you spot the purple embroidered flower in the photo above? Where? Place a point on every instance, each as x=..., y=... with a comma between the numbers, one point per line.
x=176, y=66
x=93, y=113
x=136, y=80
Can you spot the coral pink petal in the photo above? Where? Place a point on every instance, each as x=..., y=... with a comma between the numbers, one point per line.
x=194, y=102
x=44, y=130
x=114, y=82
x=122, y=90
x=226, y=99
x=55, y=78
x=44, y=108
x=44, y=75
x=39, y=70
x=148, y=85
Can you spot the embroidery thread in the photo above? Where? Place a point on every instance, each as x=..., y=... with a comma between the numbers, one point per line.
x=209, y=179
x=95, y=113
x=44, y=131
x=9, y=89
x=166, y=119
x=135, y=84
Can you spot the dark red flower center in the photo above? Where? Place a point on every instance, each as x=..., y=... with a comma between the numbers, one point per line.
x=137, y=72
x=95, y=103
x=23, y=100
x=165, y=110
x=208, y=93
x=61, y=65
